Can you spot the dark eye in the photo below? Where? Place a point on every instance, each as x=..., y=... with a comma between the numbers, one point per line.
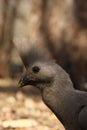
x=35, y=69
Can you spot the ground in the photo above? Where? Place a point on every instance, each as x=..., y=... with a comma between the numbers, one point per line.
x=23, y=109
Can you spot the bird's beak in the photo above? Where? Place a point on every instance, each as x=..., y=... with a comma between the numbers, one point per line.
x=20, y=84
x=24, y=80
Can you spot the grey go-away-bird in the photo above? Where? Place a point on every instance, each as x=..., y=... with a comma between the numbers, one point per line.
x=58, y=93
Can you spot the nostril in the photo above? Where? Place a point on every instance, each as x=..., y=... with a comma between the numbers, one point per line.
x=35, y=69
x=24, y=78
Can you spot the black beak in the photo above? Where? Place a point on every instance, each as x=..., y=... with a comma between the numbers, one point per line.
x=28, y=80
x=24, y=80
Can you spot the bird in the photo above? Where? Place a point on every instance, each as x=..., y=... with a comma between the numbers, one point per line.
x=58, y=93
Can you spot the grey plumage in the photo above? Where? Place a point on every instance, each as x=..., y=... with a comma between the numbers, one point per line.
x=32, y=52
x=58, y=93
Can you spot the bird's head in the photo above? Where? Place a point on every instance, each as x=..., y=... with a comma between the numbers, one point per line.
x=51, y=79
x=40, y=74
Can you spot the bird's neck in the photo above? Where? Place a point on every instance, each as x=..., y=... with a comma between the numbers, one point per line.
x=55, y=97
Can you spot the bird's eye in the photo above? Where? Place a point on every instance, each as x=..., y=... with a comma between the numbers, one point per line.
x=35, y=69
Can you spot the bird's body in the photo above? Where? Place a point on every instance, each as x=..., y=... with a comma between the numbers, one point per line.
x=67, y=104
x=58, y=93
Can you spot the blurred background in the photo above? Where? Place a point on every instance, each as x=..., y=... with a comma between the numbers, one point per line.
x=60, y=28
